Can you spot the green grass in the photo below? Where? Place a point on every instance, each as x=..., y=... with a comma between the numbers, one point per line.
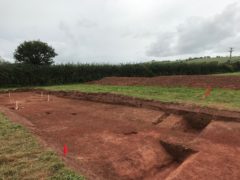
x=21, y=157
x=219, y=98
x=228, y=74
x=7, y=89
x=214, y=59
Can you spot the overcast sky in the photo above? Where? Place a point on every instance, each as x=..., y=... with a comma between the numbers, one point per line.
x=115, y=31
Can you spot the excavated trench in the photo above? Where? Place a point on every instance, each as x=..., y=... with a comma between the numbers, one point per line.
x=113, y=136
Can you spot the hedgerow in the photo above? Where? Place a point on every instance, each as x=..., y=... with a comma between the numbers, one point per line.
x=30, y=75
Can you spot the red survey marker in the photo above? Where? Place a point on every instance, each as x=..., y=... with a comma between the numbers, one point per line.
x=65, y=150
x=207, y=92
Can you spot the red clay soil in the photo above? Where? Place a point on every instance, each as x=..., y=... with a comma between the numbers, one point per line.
x=112, y=141
x=230, y=82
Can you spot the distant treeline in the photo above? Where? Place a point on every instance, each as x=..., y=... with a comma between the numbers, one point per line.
x=31, y=75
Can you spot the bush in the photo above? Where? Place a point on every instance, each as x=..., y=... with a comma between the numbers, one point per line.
x=30, y=75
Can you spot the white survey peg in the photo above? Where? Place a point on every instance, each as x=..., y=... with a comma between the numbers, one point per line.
x=16, y=105
x=9, y=96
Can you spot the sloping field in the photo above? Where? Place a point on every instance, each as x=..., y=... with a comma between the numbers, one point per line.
x=230, y=82
x=212, y=59
x=228, y=74
x=116, y=137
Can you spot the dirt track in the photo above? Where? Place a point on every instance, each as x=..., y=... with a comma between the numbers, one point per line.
x=230, y=82
x=112, y=141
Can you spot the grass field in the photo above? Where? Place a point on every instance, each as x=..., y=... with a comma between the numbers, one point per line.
x=219, y=98
x=228, y=74
x=214, y=59
x=21, y=157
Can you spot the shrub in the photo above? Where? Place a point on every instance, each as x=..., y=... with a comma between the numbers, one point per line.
x=30, y=75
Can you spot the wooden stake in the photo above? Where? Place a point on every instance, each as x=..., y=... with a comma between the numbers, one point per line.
x=16, y=105
x=9, y=96
x=48, y=98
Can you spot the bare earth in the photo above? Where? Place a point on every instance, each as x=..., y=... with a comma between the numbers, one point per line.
x=112, y=141
x=230, y=82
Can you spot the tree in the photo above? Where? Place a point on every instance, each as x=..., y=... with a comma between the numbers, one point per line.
x=2, y=61
x=34, y=52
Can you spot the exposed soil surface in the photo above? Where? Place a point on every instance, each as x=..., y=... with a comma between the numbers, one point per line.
x=127, y=138
x=230, y=82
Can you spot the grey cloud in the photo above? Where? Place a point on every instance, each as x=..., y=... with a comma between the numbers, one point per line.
x=86, y=23
x=145, y=34
x=67, y=31
x=118, y=28
x=73, y=33
x=200, y=35
x=138, y=34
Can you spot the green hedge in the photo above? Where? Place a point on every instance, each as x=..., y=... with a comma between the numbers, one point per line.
x=29, y=75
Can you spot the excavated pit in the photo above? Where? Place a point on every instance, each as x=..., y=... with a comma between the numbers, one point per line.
x=197, y=121
x=178, y=152
x=112, y=136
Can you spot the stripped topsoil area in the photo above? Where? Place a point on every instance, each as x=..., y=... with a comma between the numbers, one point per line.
x=108, y=138
x=230, y=82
